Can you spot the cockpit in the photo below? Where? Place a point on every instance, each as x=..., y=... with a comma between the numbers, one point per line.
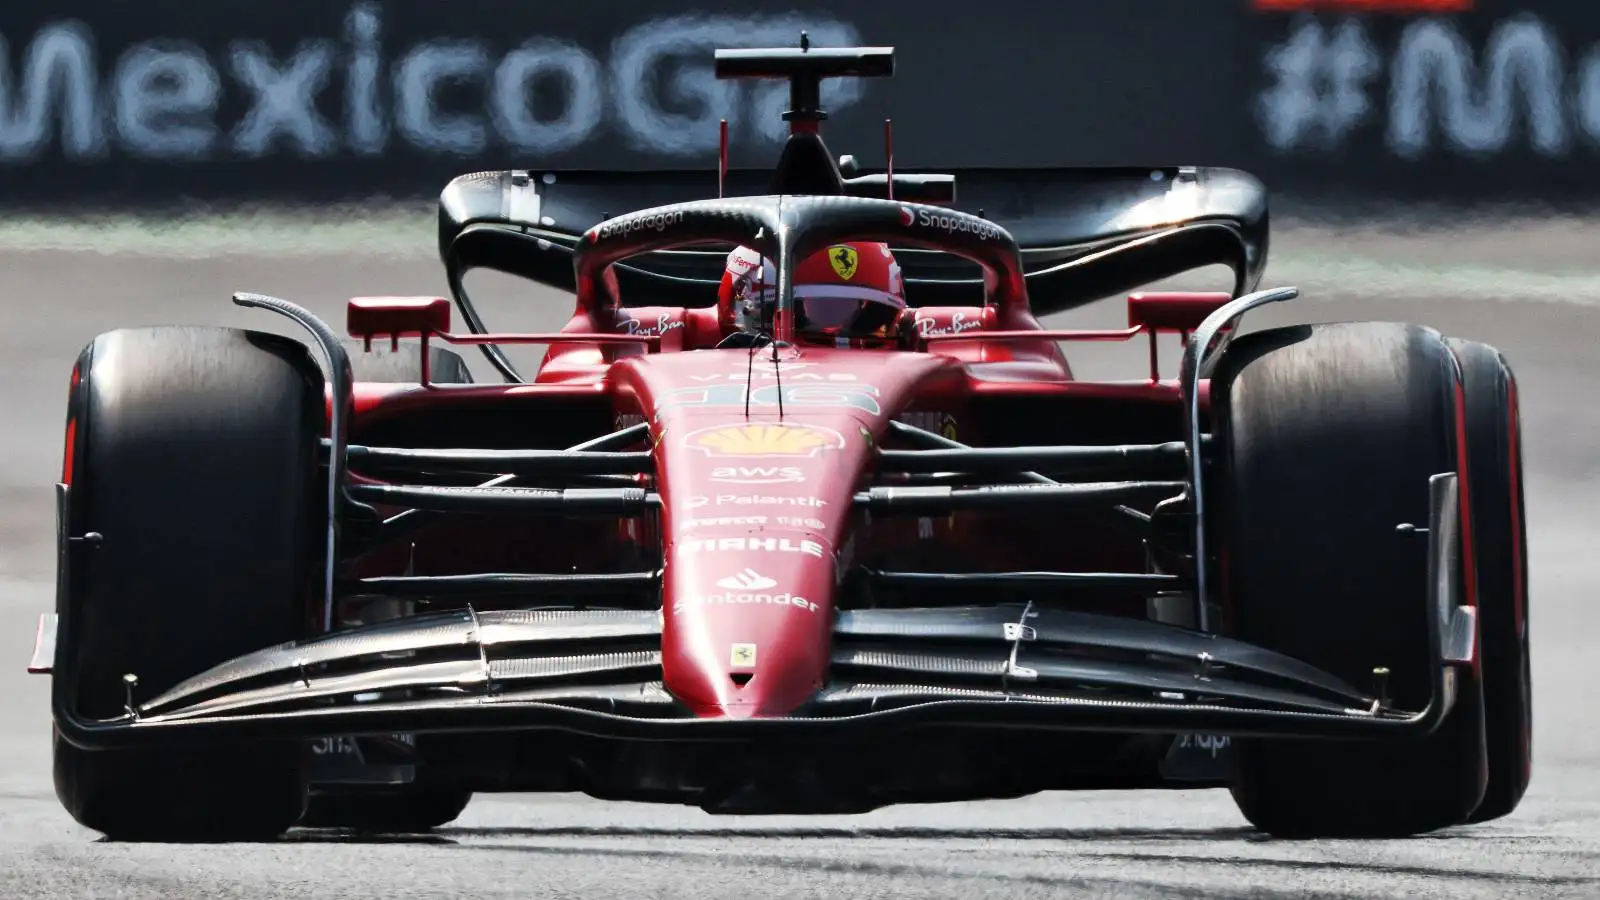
x=845, y=294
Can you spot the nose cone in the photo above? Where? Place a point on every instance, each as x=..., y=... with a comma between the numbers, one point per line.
x=754, y=507
x=758, y=458
x=749, y=623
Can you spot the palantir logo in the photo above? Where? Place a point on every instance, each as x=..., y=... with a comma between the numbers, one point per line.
x=748, y=580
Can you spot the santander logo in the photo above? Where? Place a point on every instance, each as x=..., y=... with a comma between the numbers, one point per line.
x=748, y=580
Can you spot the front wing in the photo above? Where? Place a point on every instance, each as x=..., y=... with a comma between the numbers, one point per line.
x=598, y=672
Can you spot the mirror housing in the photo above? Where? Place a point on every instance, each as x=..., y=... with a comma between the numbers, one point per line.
x=1174, y=310
x=396, y=317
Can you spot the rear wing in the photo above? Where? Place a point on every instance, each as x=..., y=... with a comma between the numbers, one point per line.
x=1084, y=233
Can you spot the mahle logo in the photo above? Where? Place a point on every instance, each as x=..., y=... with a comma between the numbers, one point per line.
x=752, y=545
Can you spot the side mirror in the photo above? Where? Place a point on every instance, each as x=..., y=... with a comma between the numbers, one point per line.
x=396, y=317
x=1173, y=311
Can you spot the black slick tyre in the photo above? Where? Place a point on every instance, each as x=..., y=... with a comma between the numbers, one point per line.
x=420, y=806
x=1494, y=464
x=1326, y=438
x=193, y=452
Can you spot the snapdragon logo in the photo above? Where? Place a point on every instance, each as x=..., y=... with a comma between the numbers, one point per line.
x=356, y=93
x=626, y=225
x=983, y=230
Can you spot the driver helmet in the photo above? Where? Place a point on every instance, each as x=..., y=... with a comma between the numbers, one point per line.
x=849, y=290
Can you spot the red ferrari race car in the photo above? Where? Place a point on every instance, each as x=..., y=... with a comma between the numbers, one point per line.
x=802, y=512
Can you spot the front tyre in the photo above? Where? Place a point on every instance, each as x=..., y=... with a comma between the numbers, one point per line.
x=1326, y=437
x=1494, y=466
x=193, y=451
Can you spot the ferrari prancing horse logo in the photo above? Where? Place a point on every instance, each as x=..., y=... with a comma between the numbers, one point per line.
x=844, y=261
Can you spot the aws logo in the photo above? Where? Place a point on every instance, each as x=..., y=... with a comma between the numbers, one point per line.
x=757, y=475
x=798, y=441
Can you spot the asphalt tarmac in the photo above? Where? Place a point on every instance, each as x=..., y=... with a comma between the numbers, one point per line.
x=1532, y=296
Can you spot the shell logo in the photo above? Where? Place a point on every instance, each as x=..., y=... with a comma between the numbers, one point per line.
x=764, y=440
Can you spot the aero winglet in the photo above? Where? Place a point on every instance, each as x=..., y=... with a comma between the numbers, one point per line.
x=44, y=646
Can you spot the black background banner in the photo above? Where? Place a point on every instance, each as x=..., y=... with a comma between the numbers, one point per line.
x=309, y=98
x=1500, y=101
x=110, y=102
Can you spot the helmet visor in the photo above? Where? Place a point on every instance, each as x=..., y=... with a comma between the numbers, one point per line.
x=840, y=310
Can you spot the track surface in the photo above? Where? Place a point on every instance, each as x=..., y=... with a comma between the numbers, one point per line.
x=1052, y=845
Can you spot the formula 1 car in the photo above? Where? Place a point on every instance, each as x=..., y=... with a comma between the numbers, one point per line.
x=758, y=566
